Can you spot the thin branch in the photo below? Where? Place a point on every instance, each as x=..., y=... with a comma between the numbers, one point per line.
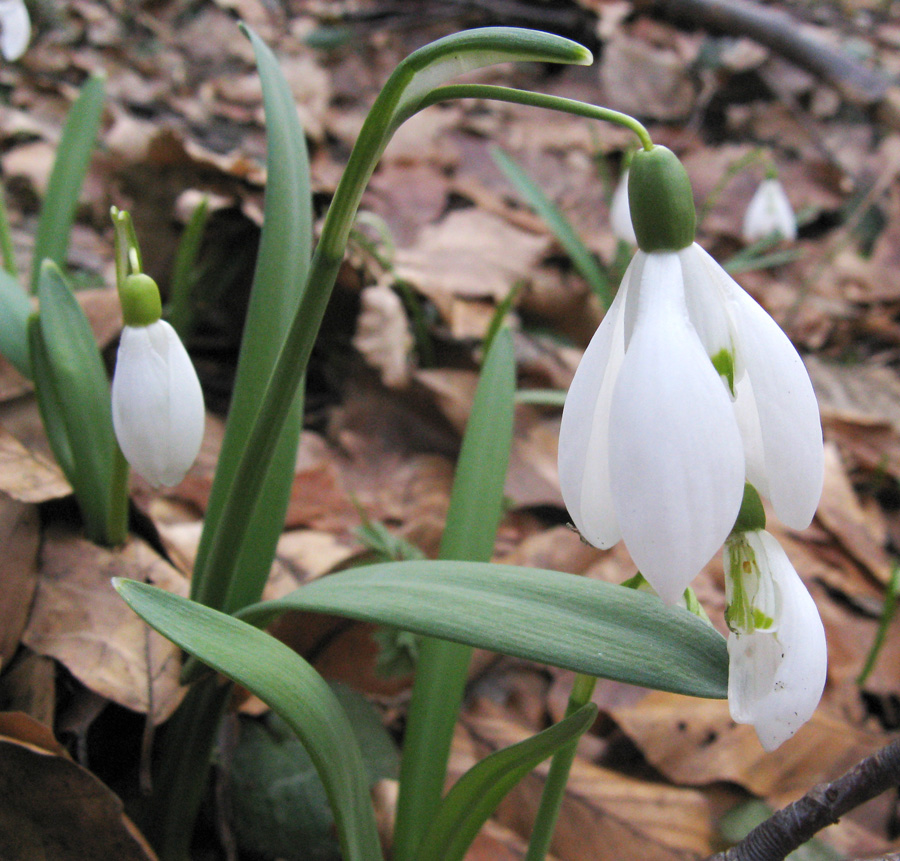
x=823, y=805
x=783, y=34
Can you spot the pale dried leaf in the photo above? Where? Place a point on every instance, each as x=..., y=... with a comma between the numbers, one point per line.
x=19, y=538
x=27, y=475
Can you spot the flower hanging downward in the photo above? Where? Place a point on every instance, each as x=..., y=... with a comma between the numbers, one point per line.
x=777, y=654
x=15, y=29
x=157, y=403
x=769, y=212
x=687, y=388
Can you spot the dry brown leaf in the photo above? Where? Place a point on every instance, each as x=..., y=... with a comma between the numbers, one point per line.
x=28, y=685
x=605, y=816
x=19, y=538
x=52, y=808
x=79, y=619
x=470, y=254
x=27, y=475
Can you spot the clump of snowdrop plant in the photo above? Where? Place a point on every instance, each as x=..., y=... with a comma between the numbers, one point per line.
x=688, y=390
x=15, y=29
x=157, y=403
x=769, y=212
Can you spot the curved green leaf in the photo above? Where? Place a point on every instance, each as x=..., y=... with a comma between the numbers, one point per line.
x=69, y=169
x=564, y=620
x=475, y=796
x=288, y=684
x=15, y=309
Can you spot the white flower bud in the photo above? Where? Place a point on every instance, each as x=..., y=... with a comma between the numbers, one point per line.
x=769, y=212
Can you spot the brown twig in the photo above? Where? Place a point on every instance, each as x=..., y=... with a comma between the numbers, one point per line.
x=781, y=33
x=823, y=805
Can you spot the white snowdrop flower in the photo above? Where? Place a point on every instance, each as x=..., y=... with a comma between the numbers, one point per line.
x=769, y=212
x=687, y=389
x=157, y=404
x=620, y=213
x=15, y=29
x=382, y=335
x=776, y=649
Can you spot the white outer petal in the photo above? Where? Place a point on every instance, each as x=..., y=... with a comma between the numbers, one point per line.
x=620, y=212
x=769, y=211
x=584, y=432
x=676, y=460
x=157, y=403
x=775, y=680
x=15, y=29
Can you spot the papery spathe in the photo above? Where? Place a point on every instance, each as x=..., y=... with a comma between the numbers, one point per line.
x=654, y=450
x=620, y=212
x=777, y=670
x=157, y=403
x=769, y=212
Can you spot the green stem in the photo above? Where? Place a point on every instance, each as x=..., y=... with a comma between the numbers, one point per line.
x=117, y=512
x=557, y=777
x=538, y=100
x=6, y=244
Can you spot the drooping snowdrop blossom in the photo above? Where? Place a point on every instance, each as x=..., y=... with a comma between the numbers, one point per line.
x=687, y=388
x=777, y=654
x=15, y=29
x=620, y=213
x=769, y=212
x=157, y=403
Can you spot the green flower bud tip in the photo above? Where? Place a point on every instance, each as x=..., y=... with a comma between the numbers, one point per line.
x=140, y=300
x=661, y=201
x=752, y=516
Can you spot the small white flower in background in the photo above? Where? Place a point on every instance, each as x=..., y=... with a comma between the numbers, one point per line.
x=769, y=212
x=15, y=29
x=776, y=649
x=687, y=389
x=157, y=404
x=620, y=213
x=382, y=335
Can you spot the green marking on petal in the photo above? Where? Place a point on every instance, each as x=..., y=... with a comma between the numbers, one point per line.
x=723, y=362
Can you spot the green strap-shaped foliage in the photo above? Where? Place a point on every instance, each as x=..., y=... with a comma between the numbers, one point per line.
x=288, y=684
x=15, y=309
x=564, y=620
x=476, y=506
x=69, y=169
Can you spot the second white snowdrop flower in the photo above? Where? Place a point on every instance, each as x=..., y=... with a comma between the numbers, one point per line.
x=15, y=29
x=157, y=402
x=620, y=212
x=769, y=212
x=777, y=654
x=687, y=388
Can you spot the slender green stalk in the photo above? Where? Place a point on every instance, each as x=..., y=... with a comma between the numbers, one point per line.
x=557, y=777
x=887, y=614
x=117, y=509
x=539, y=100
x=6, y=245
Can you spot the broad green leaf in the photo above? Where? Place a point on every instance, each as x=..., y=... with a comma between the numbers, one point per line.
x=281, y=271
x=475, y=796
x=582, y=258
x=476, y=506
x=15, y=309
x=563, y=620
x=82, y=398
x=289, y=685
x=72, y=157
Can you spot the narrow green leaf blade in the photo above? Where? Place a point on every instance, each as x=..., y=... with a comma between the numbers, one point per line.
x=69, y=169
x=180, y=310
x=281, y=272
x=287, y=683
x=82, y=396
x=563, y=620
x=582, y=258
x=15, y=309
x=475, y=796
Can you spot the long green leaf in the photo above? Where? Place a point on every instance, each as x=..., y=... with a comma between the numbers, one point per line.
x=581, y=256
x=82, y=396
x=287, y=683
x=476, y=506
x=281, y=272
x=475, y=796
x=15, y=309
x=180, y=309
x=72, y=157
x=564, y=620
